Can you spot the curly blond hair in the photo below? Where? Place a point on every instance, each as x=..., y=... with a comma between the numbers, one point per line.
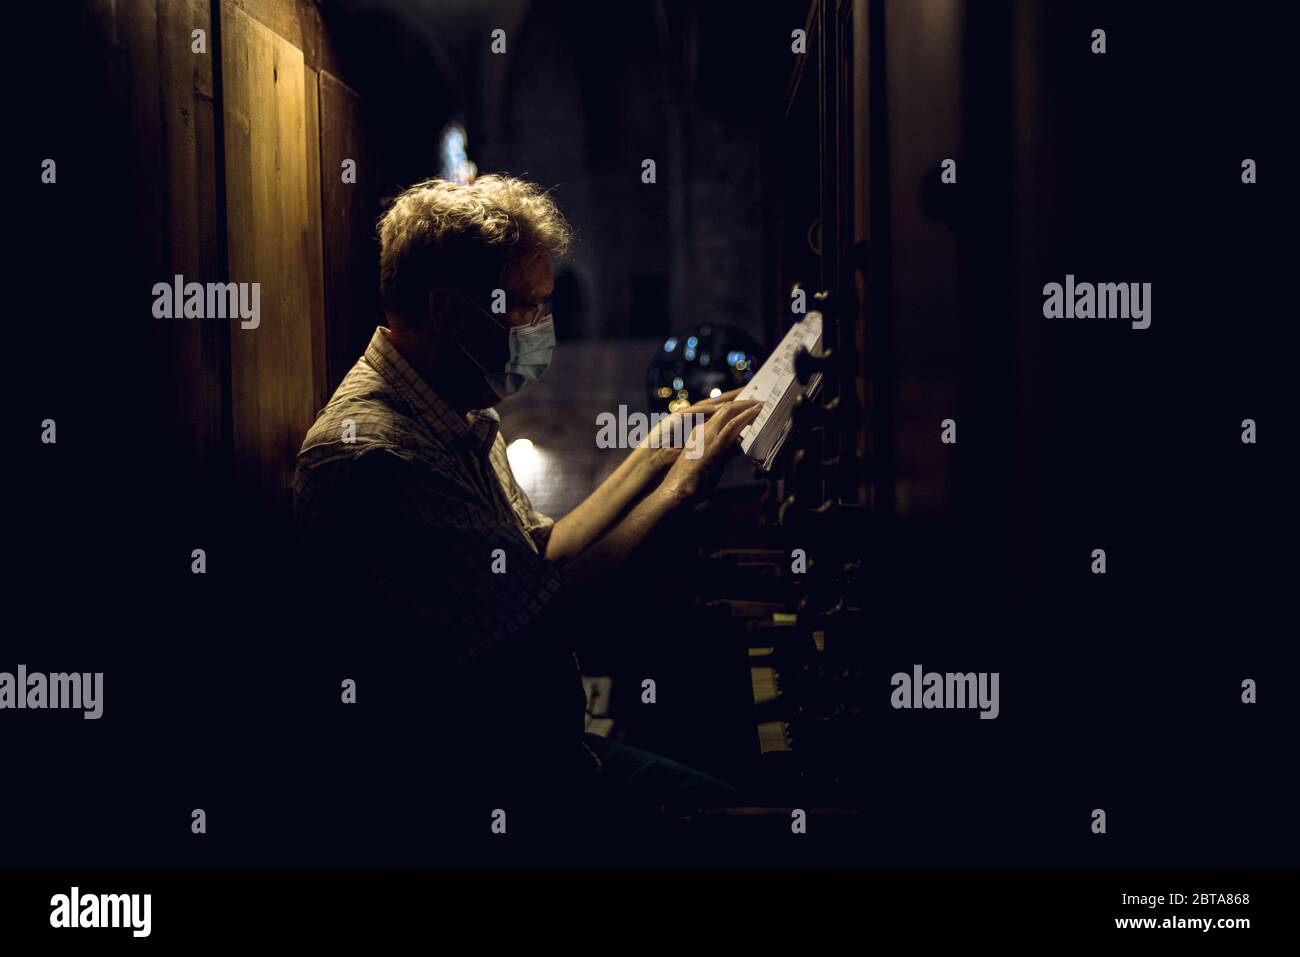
x=471, y=237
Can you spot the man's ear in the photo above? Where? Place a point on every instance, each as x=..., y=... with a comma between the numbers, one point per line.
x=443, y=312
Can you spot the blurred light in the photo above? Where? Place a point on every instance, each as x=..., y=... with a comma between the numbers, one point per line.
x=676, y=404
x=456, y=165
x=526, y=460
x=683, y=367
x=714, y=393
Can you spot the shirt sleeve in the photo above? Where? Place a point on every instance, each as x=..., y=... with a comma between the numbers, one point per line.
x=536, y=525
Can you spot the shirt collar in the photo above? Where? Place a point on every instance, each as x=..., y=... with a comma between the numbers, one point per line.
x=479, y=428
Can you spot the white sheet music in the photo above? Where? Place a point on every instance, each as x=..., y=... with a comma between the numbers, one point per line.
x=775, y=385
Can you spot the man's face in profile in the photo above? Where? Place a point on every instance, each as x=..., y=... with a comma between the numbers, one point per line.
x=486, y=335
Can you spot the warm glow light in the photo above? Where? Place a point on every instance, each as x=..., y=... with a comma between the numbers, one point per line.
x=525, y=460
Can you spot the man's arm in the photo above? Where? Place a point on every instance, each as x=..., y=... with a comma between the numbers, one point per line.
x=627, y=485
x=576, y=531
x=689, y=480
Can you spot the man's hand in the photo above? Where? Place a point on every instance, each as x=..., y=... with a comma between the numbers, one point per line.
x=663, y=446
x=692, y=478
x=688, y=481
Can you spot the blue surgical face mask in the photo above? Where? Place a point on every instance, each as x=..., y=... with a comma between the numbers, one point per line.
x=530, y=353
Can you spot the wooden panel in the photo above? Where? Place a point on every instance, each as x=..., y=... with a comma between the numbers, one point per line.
x=351, y=251
x=198, y=350
x=166, y=97
x=270, y=241
x=316, y=261
x=299, y=22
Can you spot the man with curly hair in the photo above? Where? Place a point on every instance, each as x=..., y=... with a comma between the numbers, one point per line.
x=451, y=600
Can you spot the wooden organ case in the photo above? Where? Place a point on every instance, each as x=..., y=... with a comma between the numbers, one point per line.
x=797, y=593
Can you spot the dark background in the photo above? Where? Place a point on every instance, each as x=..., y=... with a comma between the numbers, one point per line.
x=1119, y=691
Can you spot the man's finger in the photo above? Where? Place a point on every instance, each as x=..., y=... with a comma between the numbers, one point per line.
x=724, y=414
x=713, y=402
x=737, y=424
x=725, y=427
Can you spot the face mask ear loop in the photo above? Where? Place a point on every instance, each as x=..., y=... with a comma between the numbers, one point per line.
x=472, y=359
x=460, y=346
x=516, y=335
